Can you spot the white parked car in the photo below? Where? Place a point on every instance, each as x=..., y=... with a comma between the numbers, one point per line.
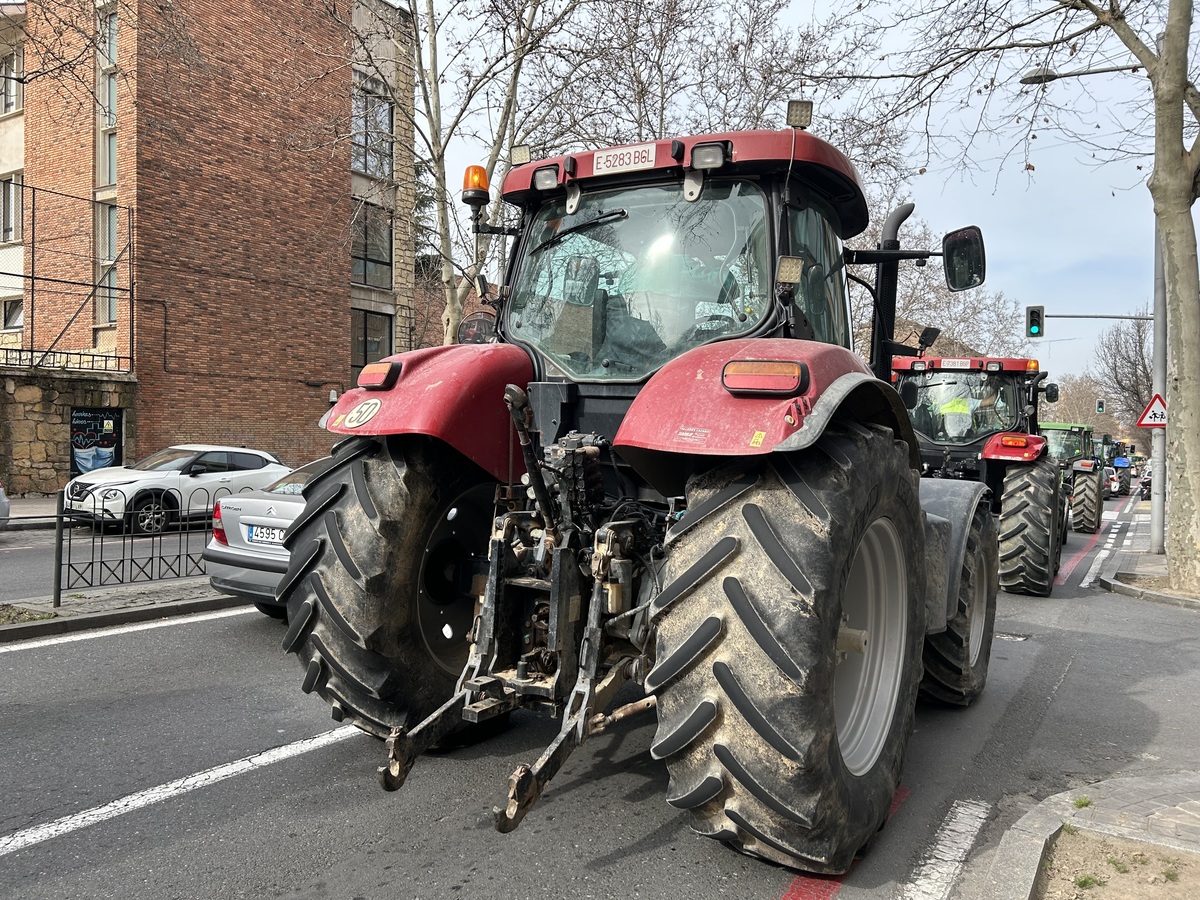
x=245, y=556
x=171, y=486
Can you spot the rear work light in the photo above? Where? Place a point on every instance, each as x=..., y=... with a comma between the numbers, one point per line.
x=708, y=156
x=545, y=179
x=783, y=378
x=993, y=366
x=379, y=376
x=1014, y=440
x=218, y=526
x=918, y=367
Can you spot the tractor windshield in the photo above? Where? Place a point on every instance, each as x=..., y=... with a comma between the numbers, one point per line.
x=636, y=276
x=1064, y=446
x=960, y=407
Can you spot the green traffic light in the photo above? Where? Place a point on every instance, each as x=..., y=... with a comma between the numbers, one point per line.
x=1034, y=329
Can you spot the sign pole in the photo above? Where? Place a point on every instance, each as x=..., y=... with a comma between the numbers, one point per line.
x=1158, y=439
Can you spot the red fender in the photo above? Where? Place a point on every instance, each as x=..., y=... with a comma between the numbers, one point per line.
x=1013, y=447
x=453, y=393
x=684, y=410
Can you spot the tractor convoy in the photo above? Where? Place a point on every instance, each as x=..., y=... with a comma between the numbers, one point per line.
x=976, y=420
x=669, y=469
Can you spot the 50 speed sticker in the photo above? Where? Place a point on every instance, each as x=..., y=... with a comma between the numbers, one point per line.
x=363, y=413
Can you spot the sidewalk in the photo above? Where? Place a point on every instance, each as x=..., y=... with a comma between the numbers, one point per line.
x=1162, y=810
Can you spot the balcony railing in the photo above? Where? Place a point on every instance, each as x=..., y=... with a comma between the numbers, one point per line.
x=82, y=360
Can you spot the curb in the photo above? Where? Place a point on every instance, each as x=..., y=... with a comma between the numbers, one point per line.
x=22, y=631
x=27, y=523
x=1146, y=809
x=1110, y=577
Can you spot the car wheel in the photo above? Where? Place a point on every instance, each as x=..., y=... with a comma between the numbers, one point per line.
x=151, y=514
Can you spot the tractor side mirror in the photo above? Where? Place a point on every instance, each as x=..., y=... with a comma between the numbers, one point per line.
x=1051, y=393
x=963, y=258
x=908, y=394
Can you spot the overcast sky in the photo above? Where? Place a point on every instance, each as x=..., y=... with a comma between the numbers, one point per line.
x=1071, y=239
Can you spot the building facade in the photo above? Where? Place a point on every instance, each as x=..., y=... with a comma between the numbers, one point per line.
x=215, y=210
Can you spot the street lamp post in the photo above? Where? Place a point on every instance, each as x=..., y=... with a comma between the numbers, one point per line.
x=1158, y=440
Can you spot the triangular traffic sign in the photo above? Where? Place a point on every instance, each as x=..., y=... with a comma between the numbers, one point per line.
x=1155, y=414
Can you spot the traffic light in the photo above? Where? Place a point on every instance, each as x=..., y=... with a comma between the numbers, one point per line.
x=1033, y=321
x=1100, y=405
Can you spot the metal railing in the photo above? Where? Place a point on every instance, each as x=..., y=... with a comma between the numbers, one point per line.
x=108, y=538
x=64, y=359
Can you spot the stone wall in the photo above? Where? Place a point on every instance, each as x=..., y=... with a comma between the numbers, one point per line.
x=35, y=416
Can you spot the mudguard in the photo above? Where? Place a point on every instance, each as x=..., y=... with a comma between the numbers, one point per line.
x=949, y=505
x=453, y=393
x=685, y=411
x=1012, y=446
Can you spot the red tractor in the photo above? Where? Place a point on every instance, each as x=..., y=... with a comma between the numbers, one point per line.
x=976, y=419
x=667, y=468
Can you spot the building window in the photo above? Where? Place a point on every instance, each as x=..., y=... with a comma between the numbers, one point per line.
x=14, y=312
x=371, y=249
x=10, y=208
x=10, y=74
x=106, y=170
x=106, y=264
x=370, y=339
x=371, y=150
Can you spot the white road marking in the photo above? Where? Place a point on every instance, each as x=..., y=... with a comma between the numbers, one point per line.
x=935, y=874
x=1094, y=571
x=21, y=839
x=124, y=629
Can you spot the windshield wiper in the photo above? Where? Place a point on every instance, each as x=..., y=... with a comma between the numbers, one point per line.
x=582, y=226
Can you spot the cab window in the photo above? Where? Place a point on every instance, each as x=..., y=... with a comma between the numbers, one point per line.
x=821, y=294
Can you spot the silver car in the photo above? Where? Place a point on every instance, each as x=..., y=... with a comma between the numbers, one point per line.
x=3, y=506
x=246, y=557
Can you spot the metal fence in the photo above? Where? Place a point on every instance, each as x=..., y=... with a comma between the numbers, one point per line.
x=106, y=537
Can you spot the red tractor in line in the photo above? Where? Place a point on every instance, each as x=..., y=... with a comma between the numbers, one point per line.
x=667, y=468
x=976, y=419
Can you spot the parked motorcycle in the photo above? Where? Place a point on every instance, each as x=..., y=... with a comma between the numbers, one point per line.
x=1144, y=486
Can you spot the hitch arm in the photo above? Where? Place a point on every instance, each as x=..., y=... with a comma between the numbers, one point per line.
x=526, y=784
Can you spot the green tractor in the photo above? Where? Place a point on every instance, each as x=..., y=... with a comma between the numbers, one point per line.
x=1071, y=445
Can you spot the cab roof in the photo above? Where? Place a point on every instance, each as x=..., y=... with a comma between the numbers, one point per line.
x=966, y=363
x=824, y=169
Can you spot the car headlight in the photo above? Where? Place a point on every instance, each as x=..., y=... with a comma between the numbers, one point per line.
x=113, y=494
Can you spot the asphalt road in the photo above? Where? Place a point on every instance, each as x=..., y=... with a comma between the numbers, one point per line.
x=146, y=729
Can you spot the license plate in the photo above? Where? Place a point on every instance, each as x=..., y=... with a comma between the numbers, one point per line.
x=623, y=159
x=264, y=534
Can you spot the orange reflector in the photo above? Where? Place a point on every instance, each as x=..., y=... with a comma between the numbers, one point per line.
x=379, y=376
x=475, y=179
x=1014, y=440
x=759, y=376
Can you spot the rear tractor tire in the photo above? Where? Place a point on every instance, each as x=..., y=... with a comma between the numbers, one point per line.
x=788, y=648
x=1124, y=479
x=379, y=586
x=1087, y=504
x=1031, y=527
x=956, y=660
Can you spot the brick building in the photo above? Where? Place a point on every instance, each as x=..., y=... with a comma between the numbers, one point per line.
x=213, y=211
